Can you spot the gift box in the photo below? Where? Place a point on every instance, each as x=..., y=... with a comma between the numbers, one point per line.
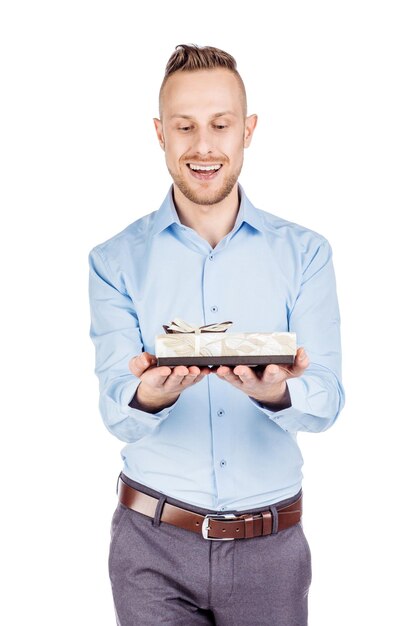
x=183, y=344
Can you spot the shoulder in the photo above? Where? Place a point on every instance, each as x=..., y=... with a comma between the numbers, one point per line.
x=298, y=237
x=132, y=237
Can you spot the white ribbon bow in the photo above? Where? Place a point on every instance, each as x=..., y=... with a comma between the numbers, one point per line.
x=180, y=326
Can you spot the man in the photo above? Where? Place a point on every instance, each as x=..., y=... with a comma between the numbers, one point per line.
x=203, y=441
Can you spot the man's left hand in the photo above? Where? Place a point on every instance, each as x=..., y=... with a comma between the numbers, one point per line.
x=268, y=387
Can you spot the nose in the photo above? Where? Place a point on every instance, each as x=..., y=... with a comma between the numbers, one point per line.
x=202, y=144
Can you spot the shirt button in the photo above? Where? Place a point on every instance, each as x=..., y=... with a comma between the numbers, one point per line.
x=211, y=257
x=223, y=463
x=220, y=412
x=214, y=309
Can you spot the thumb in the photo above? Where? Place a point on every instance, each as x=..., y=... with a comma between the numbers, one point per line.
x=301, y=362
x=139, y=364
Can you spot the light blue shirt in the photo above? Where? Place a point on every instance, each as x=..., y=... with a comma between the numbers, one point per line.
x=215, y=447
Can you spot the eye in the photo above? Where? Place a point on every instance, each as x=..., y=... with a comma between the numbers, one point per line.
x=220, y=126
x=185, y=128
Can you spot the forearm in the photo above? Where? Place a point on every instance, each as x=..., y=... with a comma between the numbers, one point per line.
x=317, y=396
x=116, y=335
x=127, y=423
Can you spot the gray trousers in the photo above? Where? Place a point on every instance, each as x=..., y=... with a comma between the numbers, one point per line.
x=161, y=574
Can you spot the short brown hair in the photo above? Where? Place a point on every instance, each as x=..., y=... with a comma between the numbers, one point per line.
x=190, y=58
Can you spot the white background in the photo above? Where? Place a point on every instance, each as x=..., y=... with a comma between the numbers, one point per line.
x=334, y=85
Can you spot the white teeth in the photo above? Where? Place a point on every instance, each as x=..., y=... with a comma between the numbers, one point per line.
x=204, y=168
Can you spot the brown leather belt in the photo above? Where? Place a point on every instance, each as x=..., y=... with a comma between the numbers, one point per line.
x=212, y=526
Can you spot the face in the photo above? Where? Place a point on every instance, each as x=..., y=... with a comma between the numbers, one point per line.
x=203, y=131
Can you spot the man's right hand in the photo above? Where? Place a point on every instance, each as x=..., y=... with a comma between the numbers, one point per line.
x=161, y=386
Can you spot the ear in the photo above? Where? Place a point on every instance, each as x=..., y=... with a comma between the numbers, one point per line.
x=159, y=132
x=250, y=125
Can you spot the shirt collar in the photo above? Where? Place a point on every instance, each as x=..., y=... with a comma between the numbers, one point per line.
x=167, y=213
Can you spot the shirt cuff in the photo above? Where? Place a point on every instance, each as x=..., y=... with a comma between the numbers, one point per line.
x=299, y=415
x=289, y=418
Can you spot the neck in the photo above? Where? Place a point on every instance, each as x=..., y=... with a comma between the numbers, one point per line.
x=210, y=221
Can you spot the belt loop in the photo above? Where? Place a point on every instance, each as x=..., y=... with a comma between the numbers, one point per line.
x=266, y=523
x=274, y=519
x=117, y=484
x=249, y=522
x=158, y=511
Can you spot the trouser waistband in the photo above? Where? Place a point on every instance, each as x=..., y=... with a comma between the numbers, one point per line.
x=210, y=523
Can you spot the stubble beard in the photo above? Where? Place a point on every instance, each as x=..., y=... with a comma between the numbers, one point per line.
x=206, y=197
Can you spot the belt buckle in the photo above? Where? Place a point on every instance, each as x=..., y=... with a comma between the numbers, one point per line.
x=205, y=526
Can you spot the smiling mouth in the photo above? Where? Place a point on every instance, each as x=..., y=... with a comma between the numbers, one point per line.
x=204, y=172
x=196, y=167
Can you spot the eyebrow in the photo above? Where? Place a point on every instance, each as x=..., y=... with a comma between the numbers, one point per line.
x=190, y=117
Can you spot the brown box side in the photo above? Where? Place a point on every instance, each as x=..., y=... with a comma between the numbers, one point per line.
x=226, y=360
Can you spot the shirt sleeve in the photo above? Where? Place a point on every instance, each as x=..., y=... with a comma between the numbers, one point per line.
x=317, y=397
x=115, y=333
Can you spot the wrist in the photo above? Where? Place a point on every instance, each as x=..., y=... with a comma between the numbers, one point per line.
x=280, y=400
x=151, y=403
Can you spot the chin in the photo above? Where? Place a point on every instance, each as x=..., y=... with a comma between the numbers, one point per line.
x=206, y=196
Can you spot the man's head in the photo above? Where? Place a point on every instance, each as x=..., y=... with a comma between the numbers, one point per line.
x=203, y=122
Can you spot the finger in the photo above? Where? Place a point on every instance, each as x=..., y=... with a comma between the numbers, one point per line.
x=198, y=378
x=176, y=377
x=246, y=375
x=156, y=376
x=273, y=373
x=179, y=376
x=276, y=373
x=201, y=372
x=301, y=362
x=223, y=371
x=194, y=374
x=139, y=364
